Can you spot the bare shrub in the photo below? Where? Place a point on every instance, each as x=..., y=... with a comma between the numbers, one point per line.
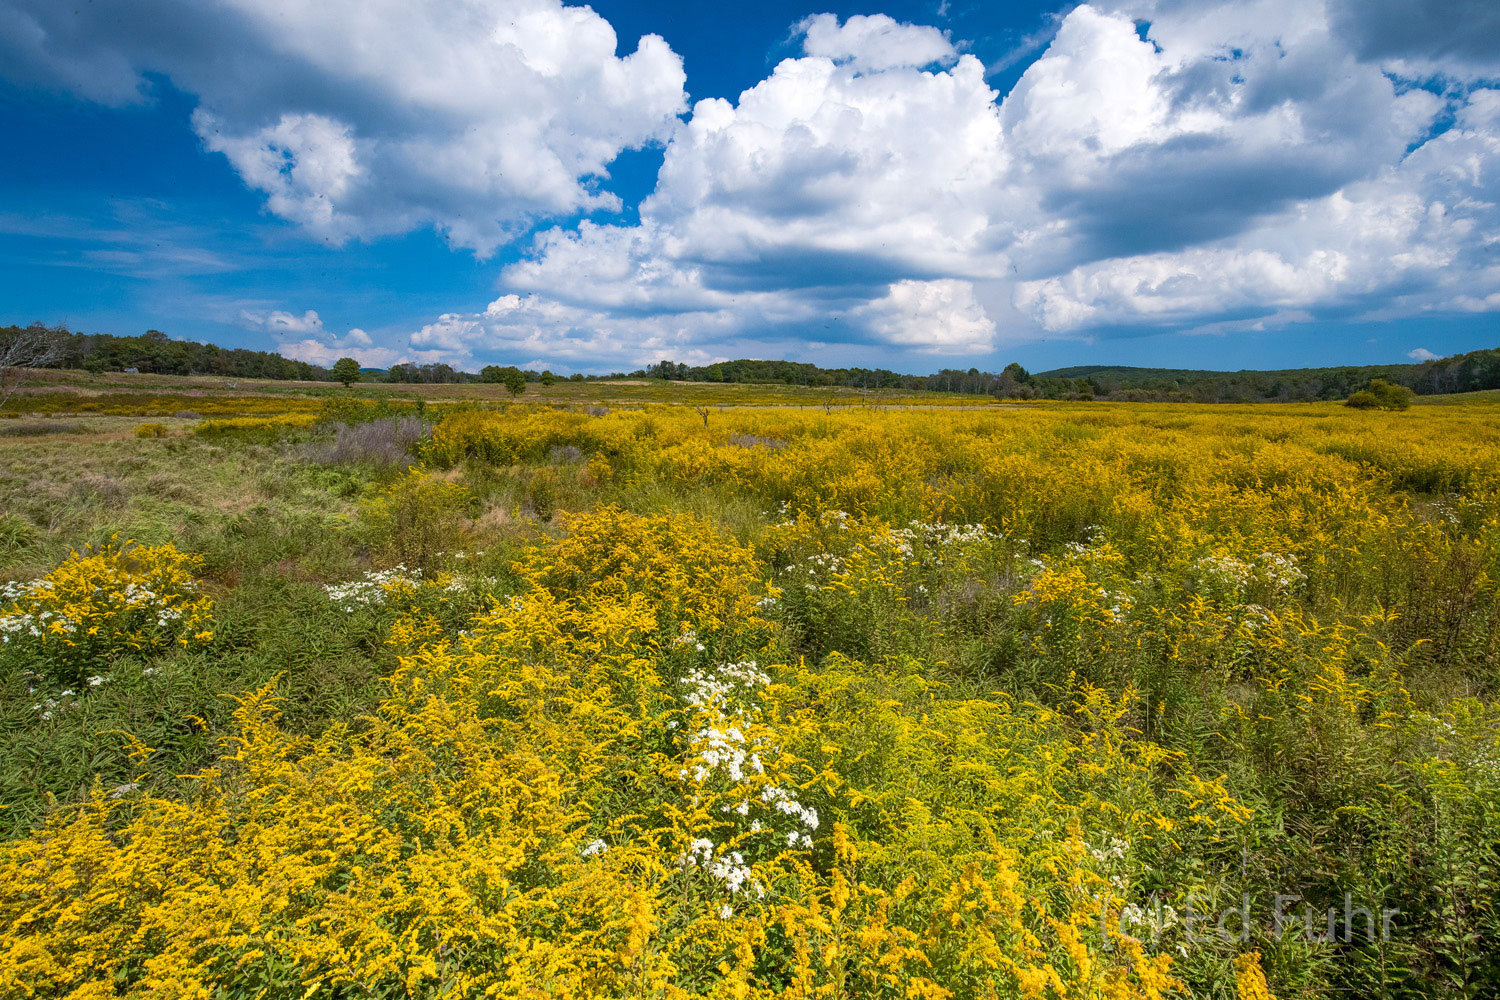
x=388, y=441
x=187, y=415
x=24, y=351
x=756, y=441
x=597, y=411
x=565, y=454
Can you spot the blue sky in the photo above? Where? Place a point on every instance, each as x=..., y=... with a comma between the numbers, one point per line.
x=1267, y=183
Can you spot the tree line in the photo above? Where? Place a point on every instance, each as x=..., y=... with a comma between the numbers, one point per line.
x=156, y=352
x=1469, y=372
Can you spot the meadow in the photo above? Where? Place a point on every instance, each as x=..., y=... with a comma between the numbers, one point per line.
x=611, y=693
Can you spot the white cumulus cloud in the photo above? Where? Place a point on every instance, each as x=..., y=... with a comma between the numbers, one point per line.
x=1239, y=167
x=874, y=42
x=305, y=338
x=358, y=118
x=934, y=316
x=280, y=323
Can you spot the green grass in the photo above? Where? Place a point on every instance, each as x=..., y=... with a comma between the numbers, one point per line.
x=271, y=527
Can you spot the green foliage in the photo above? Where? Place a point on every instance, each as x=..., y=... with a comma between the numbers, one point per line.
x=417, y=518
x=346, y=370
x=343, y=409
x=515, y=381
x=1474, y=371
x=1381, y=395
x=156, y=352
x=99, y=605
x=509, y=376
x=429, y=374
x=328, y=662
x=1392, y=397
x=16, y=532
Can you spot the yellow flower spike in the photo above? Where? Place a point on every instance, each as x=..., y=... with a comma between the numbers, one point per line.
x=1249, y=980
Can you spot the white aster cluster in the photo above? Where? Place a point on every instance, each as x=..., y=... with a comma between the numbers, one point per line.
x=817, y=566
x=48, y=706
x=1232, y=576
x=918, y=545
x=728, y=750
x=1114, y=850
x=939, y=536
x=374, y=588
x=379, y=585
x=728, y=690
x=727, y=867
x=1117, y=603
x=1150, y=922
x=1090, y=548
x=1225, y=572
x=132, y=596
x=838, y=519
x=14, y=590
x=1281, y=572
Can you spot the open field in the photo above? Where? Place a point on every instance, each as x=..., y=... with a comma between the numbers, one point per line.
x=332, y=694
x=58, y=390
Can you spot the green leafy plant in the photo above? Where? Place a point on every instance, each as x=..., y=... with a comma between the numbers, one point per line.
x=417, y=517
x=1381, y=395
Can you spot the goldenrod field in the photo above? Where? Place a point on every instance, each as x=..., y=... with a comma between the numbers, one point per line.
x=359, y=699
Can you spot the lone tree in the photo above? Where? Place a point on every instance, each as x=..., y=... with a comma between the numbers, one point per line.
x=346, y=370
x=515, y=380
x=22, y=351
x=548, y=378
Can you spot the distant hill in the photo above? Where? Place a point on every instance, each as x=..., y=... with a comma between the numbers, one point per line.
x=1127, y=373
x=1469, y=372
